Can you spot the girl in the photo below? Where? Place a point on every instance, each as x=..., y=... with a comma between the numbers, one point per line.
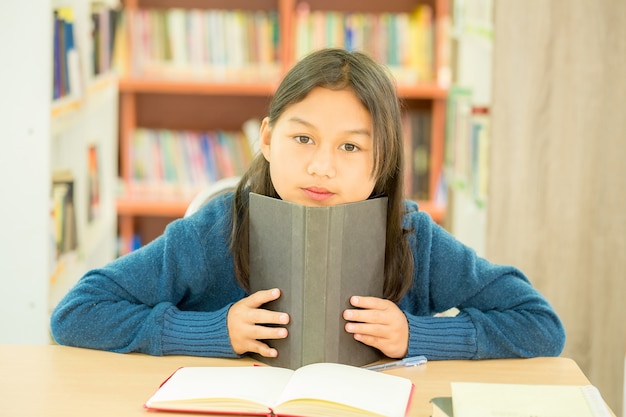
x=333, y=136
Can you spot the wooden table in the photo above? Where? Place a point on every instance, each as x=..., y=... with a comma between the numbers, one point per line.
x=46, y=381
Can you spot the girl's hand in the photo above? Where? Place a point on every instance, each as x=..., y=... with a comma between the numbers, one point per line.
x=246, y=320
x=379, y=323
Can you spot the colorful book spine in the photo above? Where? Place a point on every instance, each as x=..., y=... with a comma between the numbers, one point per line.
x=217, y=44
x=186, y=161
x=402, y=41
x=66, y=64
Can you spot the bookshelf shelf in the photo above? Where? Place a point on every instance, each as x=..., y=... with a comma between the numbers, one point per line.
x=156, y=85
x=152, y=205
x=177, y=86
x=181, y=98
x=426, y=91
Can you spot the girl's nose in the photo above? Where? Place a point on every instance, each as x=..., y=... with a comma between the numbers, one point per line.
x=322, y=163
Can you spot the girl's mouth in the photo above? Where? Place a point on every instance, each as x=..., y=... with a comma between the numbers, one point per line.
x=318, y=193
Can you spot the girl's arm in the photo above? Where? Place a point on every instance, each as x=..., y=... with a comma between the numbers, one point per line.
x=170, y=297
x=501, y=314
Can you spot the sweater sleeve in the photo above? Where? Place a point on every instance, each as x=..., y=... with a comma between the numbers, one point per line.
x=501, y=314
x=169, y=297
x=196, y=333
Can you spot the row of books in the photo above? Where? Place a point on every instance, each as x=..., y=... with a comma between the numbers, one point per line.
x=104, y=30
x=226, y=43
x=68, y=74
x=211, y=43
x=467, y=145
x=402, y=41
x=187, y=160
x=183, y=162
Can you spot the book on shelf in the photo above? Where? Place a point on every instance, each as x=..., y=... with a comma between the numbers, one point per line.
x=477, y=399
x=93, y=183
x=467, y=144
x=318, y=257
x=322, y=389
x=480, y=154
x=63, y=212
x=104, y=28
x=458, y=136
x=417, y=138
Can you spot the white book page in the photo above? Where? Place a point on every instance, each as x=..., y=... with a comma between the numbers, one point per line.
x=260, y=384
x=379, y=393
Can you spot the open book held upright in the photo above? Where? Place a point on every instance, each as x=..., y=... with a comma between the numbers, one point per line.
x=317, y=390
x=318, y=257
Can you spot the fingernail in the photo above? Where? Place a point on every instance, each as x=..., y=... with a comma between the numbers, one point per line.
x=283, y=318
x=355, y=300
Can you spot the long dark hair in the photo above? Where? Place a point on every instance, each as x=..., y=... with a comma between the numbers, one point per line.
x=339, y=69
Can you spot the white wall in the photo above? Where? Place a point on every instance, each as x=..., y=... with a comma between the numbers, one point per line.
x=25, y=83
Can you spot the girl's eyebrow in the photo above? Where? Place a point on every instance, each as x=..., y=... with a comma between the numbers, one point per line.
x=364, y=132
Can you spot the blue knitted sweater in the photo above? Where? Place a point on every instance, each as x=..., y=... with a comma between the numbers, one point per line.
x=172, y=297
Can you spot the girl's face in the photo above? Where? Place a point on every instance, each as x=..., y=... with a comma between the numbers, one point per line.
x=321, y=149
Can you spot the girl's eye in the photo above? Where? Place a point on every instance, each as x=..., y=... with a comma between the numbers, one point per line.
x=303, y=140
x=349, y=147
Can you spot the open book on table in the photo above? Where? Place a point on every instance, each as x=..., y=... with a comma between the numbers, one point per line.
x=321, y=389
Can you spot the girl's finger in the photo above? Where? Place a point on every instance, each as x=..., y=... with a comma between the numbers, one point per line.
x=259, y=298
x=268, y=333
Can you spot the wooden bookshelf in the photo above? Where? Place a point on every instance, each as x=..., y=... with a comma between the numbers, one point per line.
x=166, y=101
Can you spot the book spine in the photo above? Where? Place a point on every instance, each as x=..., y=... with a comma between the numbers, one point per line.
x=316, y=280
x=336, y=299
x=297, y=286
x=56, y=47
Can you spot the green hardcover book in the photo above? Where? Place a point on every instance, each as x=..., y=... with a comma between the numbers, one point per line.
x=442, y=407
x=319, y=257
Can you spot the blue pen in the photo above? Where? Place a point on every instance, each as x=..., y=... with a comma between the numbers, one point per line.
x=412, y=361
